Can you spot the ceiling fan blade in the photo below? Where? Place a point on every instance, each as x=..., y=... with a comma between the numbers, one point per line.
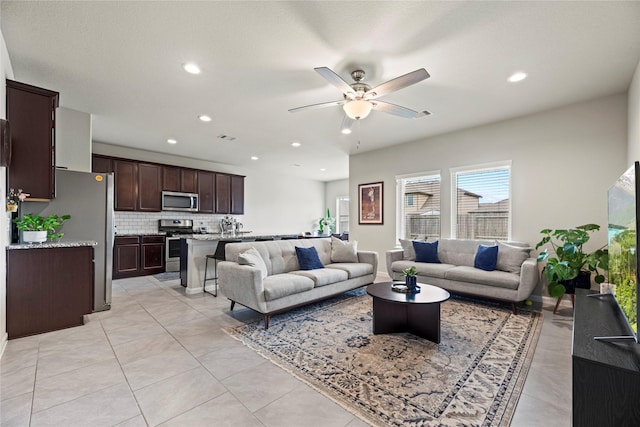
x=320, y=105
x=396, y=110
x=337, y=81
x=397, y=83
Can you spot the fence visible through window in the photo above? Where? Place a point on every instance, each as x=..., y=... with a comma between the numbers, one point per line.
x=421, y=207
x=482, y=203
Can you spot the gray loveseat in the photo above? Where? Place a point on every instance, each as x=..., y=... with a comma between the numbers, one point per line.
x=285, y=285
x=513, y=280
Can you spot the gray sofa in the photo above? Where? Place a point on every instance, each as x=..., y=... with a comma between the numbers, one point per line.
x=286, y=286
x=513, y=280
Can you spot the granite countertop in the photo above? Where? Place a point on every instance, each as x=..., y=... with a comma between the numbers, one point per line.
x=48, y=245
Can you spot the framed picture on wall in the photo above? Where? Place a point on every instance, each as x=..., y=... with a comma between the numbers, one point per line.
x=370, y=203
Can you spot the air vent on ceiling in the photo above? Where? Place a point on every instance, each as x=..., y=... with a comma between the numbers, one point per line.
x=226, y=137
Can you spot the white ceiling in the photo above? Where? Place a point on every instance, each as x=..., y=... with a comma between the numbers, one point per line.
x=121, y=61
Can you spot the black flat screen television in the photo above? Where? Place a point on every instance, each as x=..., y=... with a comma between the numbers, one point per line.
x=623, y=198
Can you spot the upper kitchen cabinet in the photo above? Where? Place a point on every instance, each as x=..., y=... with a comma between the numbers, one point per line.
x=31, y=113
x=175, y=178
x=126, y=184
x=101, y=164
x=237, y=194
x=206, y=191
x=73, y=140
x=229, y=194
x=149, y=187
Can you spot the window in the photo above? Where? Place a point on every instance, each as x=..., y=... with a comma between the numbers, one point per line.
x=419, y=206
x=342, y=214
x=481, y=203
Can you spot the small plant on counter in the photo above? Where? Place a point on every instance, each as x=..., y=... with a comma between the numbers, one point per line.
x=50, y=224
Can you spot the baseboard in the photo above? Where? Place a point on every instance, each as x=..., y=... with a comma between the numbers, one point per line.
x=3, y=343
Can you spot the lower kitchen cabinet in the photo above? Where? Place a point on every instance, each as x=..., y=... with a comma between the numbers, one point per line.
x=48, y=289
x=138, y=256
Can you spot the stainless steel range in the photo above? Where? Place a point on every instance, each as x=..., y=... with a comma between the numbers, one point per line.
x=174, y=228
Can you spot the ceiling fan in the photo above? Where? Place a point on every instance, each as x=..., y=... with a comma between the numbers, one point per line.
x=360, y=98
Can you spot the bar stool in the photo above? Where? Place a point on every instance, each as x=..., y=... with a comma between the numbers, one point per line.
x=218, y=255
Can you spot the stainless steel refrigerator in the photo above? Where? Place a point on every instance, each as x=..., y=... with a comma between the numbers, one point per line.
x=88, y=198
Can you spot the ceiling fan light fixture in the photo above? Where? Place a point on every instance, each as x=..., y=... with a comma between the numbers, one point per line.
x=357, y=109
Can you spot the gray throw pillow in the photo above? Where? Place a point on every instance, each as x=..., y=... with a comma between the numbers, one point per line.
x=251, y=257
x=510, y=258
x=409, y=252
x=343, y=251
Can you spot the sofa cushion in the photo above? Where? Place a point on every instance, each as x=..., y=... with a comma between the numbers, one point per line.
x=425, y=269
x=407, y=248
x=308, y=258
x=323, y=276
x=343, y=251
x=496, y=278
x=252, y=257
x=285, y=284
x=426, y=251
x=353, y=269
x=486, y=257
x=510, y=257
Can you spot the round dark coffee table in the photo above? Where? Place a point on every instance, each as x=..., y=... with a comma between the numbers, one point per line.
x=418, y=313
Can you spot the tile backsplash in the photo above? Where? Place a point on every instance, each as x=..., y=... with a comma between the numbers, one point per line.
x=147, y=222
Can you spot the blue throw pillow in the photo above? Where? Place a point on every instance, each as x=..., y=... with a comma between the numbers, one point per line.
x=426, y=251
x=486, y=257
x=308, y=258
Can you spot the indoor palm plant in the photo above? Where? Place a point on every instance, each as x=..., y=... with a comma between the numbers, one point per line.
x=49, y=225
x=570, y=264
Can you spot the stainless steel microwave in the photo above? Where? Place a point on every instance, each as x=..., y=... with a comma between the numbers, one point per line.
x=175, y=201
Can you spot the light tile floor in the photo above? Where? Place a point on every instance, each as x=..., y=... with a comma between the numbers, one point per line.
x=159, y=357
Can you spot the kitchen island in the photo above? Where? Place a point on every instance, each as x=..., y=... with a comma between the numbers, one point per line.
x=194, y=251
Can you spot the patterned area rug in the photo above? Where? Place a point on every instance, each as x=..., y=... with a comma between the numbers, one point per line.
x=474, y=377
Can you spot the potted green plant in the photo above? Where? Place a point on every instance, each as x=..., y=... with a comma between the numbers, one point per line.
x=571, y=266
x=36, y=228
x=410, y=277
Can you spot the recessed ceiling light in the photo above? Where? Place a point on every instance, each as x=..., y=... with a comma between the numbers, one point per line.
x=172, y=141
x=517, y=77
x=254, y=157
x=204, y=118
x=322, y=169
x=295, y=144
x=346, y=131
x=191, y=68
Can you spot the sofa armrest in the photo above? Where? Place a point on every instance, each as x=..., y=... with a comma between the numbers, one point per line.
x=529, y=276
x=370, y=257
x=392, y=256
x=243, y=284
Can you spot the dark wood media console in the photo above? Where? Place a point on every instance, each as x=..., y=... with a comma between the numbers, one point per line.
x=606, y=376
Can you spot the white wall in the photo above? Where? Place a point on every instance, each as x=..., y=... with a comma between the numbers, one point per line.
x=6, y=72
x=633, y=147
x=273, y=203
x=564, y=160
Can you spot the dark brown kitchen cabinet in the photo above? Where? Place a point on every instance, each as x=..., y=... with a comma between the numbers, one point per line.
x=229, y=194
x=223, y=193
x=149, y=187
x=175, y=178
x=152, y=254
x=31, y=112
x=48, y=289
x=138, y=256
x=237, y=194
x=126, y=185
x=101, y=164
x=207, y=191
